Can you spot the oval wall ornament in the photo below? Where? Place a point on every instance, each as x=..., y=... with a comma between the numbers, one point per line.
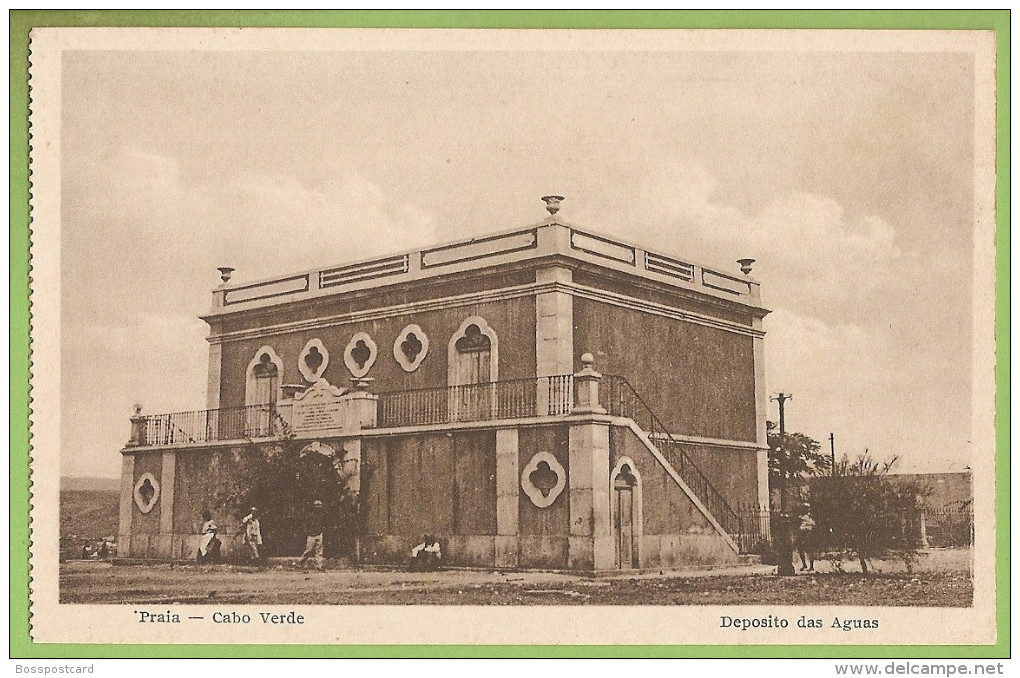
x=543, y=479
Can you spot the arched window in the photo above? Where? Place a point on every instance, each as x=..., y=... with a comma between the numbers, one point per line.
x=473, y=353
x=473, y=365
x=262, y=389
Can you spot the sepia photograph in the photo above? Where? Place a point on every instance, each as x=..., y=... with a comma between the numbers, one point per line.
x=468, y=335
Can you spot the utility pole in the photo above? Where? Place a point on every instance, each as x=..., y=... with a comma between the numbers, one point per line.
x=783, y=537
x=781, y=399
x=832, y=452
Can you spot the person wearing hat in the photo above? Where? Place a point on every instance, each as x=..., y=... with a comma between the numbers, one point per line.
x=314, y=526
x=252, y=533
x=806, y=538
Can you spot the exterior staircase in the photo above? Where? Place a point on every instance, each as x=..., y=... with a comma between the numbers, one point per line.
x=619, y=398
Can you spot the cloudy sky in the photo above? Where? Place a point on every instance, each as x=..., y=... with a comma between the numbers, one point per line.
x=848, y=176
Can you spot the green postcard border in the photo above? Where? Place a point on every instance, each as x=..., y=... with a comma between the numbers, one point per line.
x=22, y=21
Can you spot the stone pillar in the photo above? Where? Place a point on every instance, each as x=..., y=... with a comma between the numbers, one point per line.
x=351, y=462
x=137, y=428
x=507, y=497
x=167, y=474
x=591, y=536
x=362, y=406
x=127, y=487
x=586, y=386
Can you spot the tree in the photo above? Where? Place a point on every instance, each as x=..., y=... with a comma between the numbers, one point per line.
x=864, y=512
x=282, y=482
x=793, y=456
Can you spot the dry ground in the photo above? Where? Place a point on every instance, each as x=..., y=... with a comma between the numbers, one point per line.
x=942, y=579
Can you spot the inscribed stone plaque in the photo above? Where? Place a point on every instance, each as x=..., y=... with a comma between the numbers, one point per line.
x=319, y=408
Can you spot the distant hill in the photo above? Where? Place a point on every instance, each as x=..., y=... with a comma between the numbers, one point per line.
x=89, y=507
x=100, y=484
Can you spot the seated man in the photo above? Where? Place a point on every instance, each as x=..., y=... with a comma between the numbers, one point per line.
x=426, y=557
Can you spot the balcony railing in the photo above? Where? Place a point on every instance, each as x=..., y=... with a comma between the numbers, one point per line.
x=514, y=399
x=203, y=426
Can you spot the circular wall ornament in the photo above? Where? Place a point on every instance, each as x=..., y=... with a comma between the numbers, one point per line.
x=146, y=492
x=543, y=479
x=359, y=356
x=411, y=347
x=313, y=360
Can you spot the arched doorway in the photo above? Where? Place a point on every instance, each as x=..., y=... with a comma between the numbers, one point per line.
x=626, y=508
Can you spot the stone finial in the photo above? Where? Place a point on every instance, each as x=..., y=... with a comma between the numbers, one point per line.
x=588, y=360
x=138, y=408
x=552, y=203
x=745, y=265
x=225, y=272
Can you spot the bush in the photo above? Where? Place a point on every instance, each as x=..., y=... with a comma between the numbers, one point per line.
x=862, y=513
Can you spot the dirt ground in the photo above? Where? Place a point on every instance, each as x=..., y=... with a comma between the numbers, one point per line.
x=942, y=578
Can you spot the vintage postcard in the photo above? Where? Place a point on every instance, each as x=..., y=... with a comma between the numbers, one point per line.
x=551, y=337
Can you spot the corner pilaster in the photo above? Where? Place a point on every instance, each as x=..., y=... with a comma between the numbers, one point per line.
x=212, y=387
x=761, y=413
x=127, y=484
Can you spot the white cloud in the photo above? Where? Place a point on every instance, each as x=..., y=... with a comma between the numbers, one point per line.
x=144, y=243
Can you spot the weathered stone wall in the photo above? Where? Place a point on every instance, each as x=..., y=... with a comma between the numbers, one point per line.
x=441, y=483
x=699, y=380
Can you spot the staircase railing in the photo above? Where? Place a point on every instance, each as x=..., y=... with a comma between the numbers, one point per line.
x=621, y=399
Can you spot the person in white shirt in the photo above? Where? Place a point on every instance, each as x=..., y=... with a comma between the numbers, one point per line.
x=252, y=533
x=208, y=547
x=427, y=555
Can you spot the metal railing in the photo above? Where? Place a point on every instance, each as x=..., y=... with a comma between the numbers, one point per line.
x=202, y=426
x=755, y=534
x=513, y=399
x=620, y=399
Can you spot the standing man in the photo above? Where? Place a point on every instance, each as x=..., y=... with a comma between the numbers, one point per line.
x=314, y=526
x=806, y=538
x=252, y=534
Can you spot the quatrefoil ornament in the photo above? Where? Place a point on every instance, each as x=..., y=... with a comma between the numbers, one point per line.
x=146, y=492
x=360, y=354
x=543, y=479
x=411, y=347
x=313, y=360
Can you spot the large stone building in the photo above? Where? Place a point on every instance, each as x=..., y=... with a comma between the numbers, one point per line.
x=545, y=397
